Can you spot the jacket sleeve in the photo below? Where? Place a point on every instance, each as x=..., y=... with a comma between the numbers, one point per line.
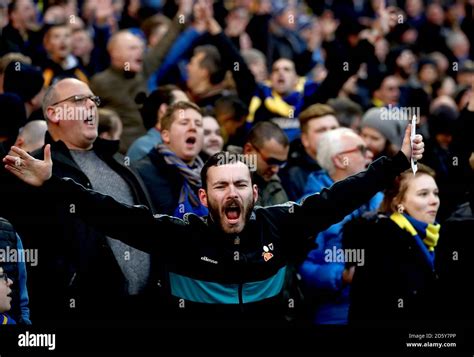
x=24, y=299
x=341, y=66
x=319, y=274
x=155, y=56
x=181, y=46
x=133, y=225
x=319, y=211
x=243, y=77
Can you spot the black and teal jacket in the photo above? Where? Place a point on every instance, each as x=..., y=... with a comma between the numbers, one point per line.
x=214, y=275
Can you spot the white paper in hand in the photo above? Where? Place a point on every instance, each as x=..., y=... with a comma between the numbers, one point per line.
x=414, y=166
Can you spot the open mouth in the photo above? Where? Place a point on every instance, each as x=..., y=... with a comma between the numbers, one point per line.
x=191, y=140
x=232, y=212
x=89, y=120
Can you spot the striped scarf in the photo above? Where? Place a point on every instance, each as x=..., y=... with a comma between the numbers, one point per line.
x=191, y=174
x=426, y=235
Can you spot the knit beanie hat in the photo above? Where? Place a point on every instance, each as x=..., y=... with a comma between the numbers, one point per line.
x=390, y=129
x=23, y=79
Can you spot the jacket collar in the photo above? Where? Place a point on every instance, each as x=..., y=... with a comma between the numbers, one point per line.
x=101, y=147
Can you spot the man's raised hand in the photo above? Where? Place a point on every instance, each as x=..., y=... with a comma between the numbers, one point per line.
x=30, y=170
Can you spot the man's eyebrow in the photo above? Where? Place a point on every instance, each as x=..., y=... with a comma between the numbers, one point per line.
x=242, y=180
x=222, y=182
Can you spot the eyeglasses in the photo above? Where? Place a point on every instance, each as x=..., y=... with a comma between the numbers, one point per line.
x=362, y=148
x=4, y=276
x=270, y=161
x=80, y=99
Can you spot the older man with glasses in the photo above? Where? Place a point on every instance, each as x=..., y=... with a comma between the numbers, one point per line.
x=90, y=273
x=341, y=153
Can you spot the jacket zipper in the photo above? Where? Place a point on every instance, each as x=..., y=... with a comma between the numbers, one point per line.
x=241, y=285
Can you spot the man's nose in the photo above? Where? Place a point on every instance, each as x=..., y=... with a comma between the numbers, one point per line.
x=192, y=125
x=232, y=191
x=9, y=282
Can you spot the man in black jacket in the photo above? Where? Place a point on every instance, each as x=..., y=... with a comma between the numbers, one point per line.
x=231, y=264
x=89, y=273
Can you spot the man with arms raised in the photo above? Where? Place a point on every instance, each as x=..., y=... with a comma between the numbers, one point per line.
x=231, y=264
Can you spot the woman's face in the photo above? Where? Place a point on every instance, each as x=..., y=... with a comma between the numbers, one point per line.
x=374, y=140
x=421, y=199
x=5, y=291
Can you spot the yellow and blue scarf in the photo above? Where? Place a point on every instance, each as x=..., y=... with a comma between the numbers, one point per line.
x=6, y=320
x=426, y=235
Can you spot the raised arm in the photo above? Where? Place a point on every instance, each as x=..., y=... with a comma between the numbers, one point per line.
x=319, y=211
x=134, y=225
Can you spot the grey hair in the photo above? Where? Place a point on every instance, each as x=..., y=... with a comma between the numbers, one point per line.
x=330, y=144
x=454, y=38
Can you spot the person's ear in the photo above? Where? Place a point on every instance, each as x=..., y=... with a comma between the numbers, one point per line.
x=19, y=142
x=162, y=110
x=203, y=197
x=248, y=149
x=53, y=115
x=165, y=135
x=340, y=161
x=304, y=140
x=255, y=193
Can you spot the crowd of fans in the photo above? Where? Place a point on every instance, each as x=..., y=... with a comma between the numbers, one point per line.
x=134, y=97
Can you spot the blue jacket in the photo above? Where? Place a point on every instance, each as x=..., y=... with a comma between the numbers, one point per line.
x=144, y=144
x=176, y=54
x=322, y=277
x=24, y=299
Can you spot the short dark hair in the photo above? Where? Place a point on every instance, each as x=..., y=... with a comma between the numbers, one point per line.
x=107, y=121
x=169, y=117
x=219, y=159
x=265, y=131
x=314, y=111
x=232, y=106
x=212, y=61
x=151, y=103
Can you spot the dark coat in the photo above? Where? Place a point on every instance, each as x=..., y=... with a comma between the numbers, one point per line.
x=395, y=283
x=163, y=181
x=77, y=275
x=295, y=175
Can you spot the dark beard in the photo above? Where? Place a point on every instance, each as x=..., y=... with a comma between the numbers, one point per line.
x=216, y=218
